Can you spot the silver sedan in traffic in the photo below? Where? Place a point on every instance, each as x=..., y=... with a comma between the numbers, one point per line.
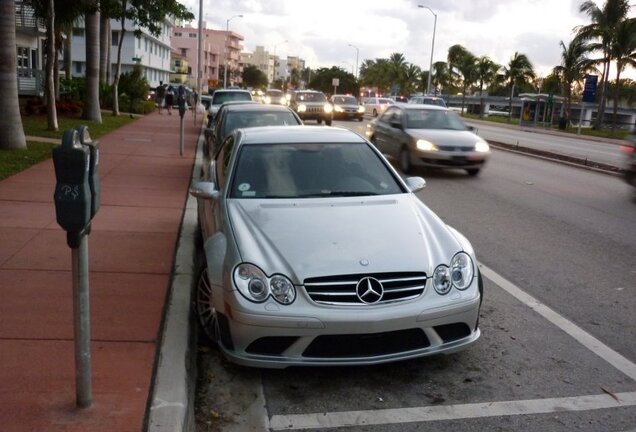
x=428, y=136
x=318, y=253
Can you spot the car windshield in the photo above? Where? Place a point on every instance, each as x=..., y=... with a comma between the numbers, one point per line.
x=270, y=171
x=433, y=119
x=345, y=100
x=274, y=93
x=223, y=97
x=310, y=97
x=244, y=119
x=385, y=101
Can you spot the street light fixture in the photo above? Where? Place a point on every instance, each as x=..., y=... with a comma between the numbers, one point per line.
x=357, y=55
x=430, y=67
x=227, y=35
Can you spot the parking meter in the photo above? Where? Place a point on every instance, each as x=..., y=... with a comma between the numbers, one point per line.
x=93, y=174
x=181, y=100
x=72, y=191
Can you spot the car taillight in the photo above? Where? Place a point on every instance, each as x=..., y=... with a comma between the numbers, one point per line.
x=628, y=149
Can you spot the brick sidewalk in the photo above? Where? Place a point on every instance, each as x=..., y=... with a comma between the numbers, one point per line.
x=131, y=250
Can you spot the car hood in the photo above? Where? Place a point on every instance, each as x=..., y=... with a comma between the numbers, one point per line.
x=335, y=236
x=446, y=137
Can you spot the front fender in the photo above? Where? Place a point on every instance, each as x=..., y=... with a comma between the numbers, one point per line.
x=215, y=248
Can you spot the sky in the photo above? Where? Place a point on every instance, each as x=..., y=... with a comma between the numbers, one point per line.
x=320, y=31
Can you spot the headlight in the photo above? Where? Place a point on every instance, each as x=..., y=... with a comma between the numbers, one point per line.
x=461, y=270
x=442, y=279
x=425, y=145
x=255, y=286
x=302, y=108
x=337, y=108
x=328, y=108
x=267, y=100
x=482, y=147
x=283, y=101
x=361, y=109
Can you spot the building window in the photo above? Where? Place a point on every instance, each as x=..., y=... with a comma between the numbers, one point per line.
x=23, y=58
x=146, y=45
x=79, y=32
x=138, y=43
x=78, y=67
x=177, y=34
x=115, y=37
x=184, y=52
x=192, y=35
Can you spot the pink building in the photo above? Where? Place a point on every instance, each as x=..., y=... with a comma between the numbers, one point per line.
x=217, y=48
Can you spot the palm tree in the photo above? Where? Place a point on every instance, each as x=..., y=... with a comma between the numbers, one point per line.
x=623, y=52
x=463, y=65
x=605, y=21
x=441, y=76
x=397, y=68
x=573, y=68
x=11, y=132
x=412, y=76
x=486, y=74
x=518, y=71
x=92, y=110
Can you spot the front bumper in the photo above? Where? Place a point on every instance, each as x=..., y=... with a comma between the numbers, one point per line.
x=449, y=159
x=336, y=336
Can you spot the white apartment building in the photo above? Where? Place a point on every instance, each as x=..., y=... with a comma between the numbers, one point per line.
x=152, y=53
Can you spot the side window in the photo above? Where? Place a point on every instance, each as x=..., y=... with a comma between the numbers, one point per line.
x=223, y=161
x=388, y=116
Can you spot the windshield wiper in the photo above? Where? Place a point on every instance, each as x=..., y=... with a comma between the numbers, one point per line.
x=337, y=194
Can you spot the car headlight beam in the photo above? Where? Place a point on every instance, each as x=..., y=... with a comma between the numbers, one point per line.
x=254, y=285
x=482, y=147
x=328, y=108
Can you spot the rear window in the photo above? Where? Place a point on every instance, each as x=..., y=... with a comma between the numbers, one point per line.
x=223, y=97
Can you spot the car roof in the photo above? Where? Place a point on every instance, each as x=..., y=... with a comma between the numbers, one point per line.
x=422, y=106
x=231, y=91
x=255, y=107
x=299, y=134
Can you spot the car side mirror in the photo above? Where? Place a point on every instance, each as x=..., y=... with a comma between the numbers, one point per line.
x=415, y=184
x=204, y=190
x=473, y=129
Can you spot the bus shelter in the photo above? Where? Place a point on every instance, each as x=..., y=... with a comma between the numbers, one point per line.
x=539, y=109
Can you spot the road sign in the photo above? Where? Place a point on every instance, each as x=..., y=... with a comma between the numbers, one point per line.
x=589, y=91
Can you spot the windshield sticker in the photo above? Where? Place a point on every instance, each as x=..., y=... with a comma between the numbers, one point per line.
x=244, y=187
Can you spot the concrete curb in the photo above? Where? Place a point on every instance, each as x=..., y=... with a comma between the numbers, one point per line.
x=171, y=402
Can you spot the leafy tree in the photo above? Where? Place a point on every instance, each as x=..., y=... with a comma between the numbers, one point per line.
x=441, y=78
x=486, y=74
x=623, y=52
x=573, y=68
x=294, y=78
x=322, y=80
x=148, y=14
x=518, y=72
x=133, y=84
x=463, y=65
x=602, y=32
x=11, y=132
x=254, y=77
x=412, y=79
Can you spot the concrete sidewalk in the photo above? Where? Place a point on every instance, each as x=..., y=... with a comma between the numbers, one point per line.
x=132, y=247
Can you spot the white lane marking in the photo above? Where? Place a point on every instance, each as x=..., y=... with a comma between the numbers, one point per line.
x=488, y=409
x=587, y=340
x=449, y=412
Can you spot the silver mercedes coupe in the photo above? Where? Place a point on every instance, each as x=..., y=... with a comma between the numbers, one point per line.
x=318, y=253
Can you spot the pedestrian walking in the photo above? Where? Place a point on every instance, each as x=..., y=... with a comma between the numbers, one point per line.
x=169, y=99
x=160, y=94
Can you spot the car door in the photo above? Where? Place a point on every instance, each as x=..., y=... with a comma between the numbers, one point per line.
x=395, y=135
x=382, y=132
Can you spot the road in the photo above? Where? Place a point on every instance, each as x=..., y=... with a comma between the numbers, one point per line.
x=556, y=245
x=606, y=152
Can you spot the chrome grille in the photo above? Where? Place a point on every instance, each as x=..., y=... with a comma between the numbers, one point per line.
x=341, y=290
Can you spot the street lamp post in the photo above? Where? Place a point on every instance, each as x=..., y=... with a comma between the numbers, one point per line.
x=430, y=67
x=227, y=51
x=357, y=55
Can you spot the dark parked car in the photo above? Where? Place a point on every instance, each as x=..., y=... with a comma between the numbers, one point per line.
x=236, y=115
x=312, y=105
x=274, y=97
x=346, y=107
x=428, y=135
x=221, y=96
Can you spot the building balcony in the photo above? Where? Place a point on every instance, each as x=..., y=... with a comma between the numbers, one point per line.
x=25, y=19
x=30, y=82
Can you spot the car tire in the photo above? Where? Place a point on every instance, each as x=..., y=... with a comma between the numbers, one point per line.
x=319, y=121
x=205, y=307
x=405, y=160
x=360, y=118
x=375, y=112
x=328, y=122
x=472, y=171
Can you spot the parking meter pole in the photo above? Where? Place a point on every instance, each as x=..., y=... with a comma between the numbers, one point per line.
x=81, y=323
x=181, y=137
